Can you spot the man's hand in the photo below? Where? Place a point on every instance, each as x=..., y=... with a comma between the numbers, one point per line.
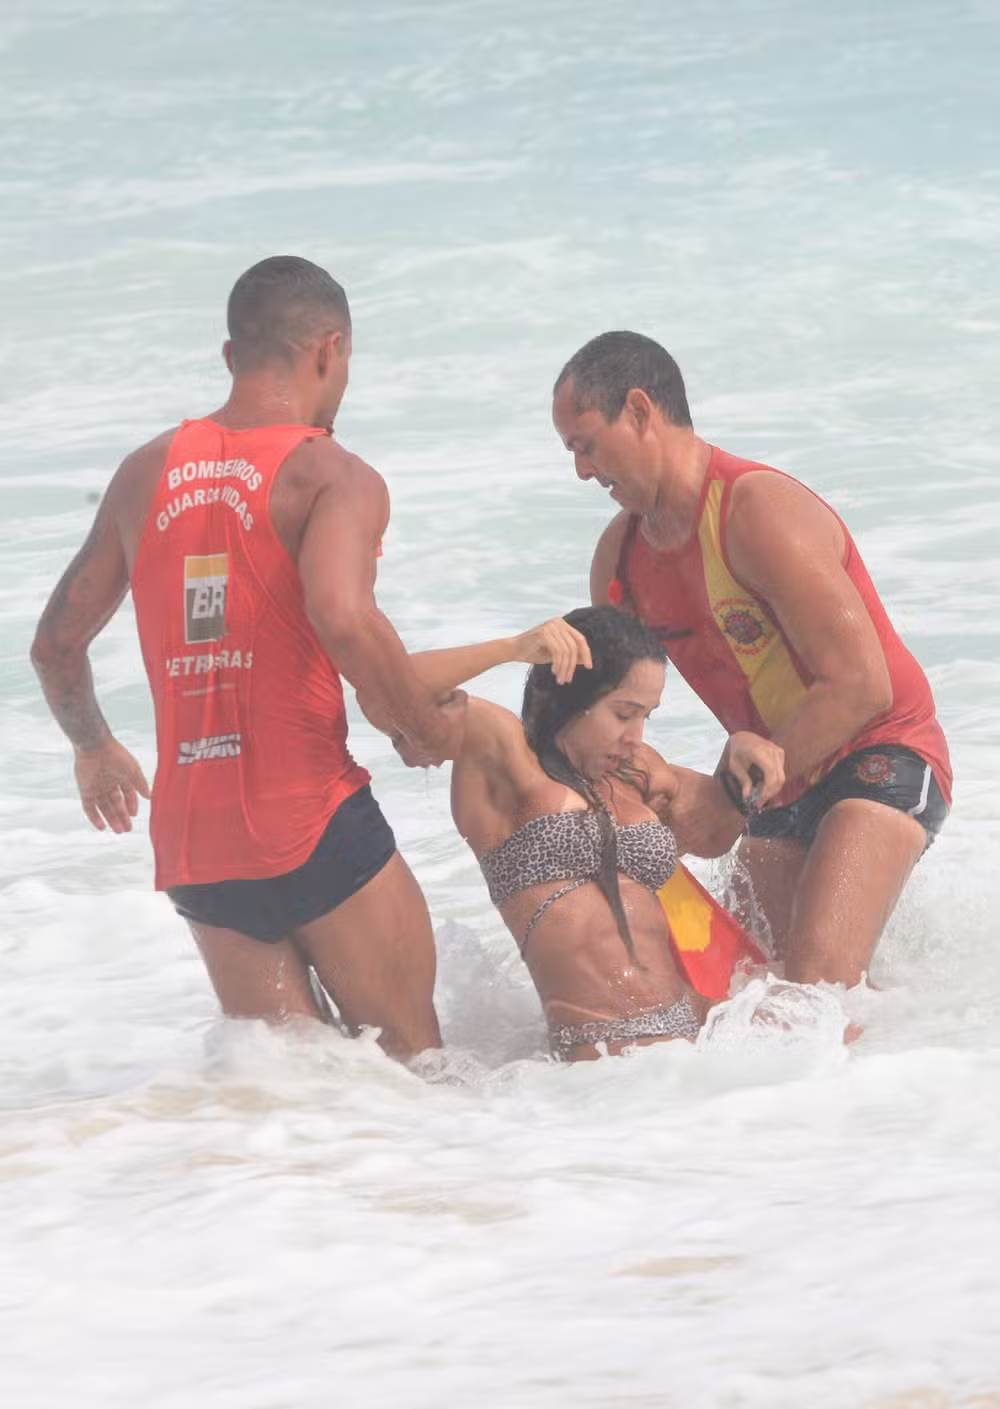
x=554, y=643
x=756, y=767
x=110, y=782
x=445, y=743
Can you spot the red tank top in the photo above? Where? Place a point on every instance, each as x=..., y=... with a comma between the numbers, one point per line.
x=251, y=733
x=735, y=655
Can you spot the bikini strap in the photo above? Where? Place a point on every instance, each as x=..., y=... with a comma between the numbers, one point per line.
x=556, y=895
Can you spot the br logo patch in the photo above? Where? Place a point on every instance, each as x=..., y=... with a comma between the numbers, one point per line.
x=205, y=583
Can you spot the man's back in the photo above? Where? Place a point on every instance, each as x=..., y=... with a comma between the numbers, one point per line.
x=310, y=466
x=251, y=728
x=250, y=541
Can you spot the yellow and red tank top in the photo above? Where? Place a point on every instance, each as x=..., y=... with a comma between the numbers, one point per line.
x=729, y=646
x=251, y=732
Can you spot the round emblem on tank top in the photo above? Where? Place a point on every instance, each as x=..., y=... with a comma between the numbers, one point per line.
x=744, y=623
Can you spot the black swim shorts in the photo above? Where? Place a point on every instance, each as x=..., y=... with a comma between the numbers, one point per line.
x=357, y=843
x=886, y=773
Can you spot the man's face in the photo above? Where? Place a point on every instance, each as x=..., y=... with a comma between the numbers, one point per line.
x=615, y=453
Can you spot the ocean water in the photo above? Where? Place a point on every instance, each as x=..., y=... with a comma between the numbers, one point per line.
x=801, y=201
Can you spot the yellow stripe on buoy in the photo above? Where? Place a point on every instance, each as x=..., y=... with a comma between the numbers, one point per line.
x=709, y=943
x=688, y=911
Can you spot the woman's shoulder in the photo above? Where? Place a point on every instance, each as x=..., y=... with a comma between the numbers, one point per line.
x=491, y=728
x=498, y=782
x=494, y=765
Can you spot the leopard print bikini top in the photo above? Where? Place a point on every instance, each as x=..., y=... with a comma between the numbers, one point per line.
x=566, y=846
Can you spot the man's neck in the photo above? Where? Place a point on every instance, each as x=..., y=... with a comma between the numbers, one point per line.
x=671, y=521
x=264, y=400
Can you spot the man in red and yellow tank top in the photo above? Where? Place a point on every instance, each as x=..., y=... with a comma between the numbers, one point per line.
x=766, y=609
x=249, y=539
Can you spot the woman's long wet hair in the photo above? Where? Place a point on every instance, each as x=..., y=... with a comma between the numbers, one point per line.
x=616, y=642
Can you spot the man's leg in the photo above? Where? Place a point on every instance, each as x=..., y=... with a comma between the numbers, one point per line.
x=853, y=875
x=774, y=865
x=253, y=979
x=374, y=954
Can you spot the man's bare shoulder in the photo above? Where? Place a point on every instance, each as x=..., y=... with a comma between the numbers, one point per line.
x=133, y=483
x=323, y=484
x=606, y=555
x=613, y=534
x=323, y=463
x=146, y=458
x=767, y=505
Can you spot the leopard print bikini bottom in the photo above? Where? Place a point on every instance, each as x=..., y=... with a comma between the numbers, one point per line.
x=679, y=1020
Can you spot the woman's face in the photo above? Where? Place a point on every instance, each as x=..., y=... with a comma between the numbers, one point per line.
x=608, y=734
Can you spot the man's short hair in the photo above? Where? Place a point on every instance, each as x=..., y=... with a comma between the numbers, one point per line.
x=607, y=368
x=279, y=306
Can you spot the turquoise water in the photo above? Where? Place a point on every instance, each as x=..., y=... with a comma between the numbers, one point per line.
x=802, y=204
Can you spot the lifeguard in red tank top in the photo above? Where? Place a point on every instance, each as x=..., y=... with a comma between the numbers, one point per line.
x=251, y=731
x=731, y=650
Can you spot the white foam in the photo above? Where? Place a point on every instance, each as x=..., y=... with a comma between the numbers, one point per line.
x=800, y=203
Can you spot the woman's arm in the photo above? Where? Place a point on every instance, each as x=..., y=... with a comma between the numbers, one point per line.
x=446, y=669
x=696, y=806
x=494, y=771
x=685, y=801
x=554, y=643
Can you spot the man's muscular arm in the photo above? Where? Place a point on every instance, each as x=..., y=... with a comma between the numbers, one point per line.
x=788, y=546
x=85, y=599
x=337, y=561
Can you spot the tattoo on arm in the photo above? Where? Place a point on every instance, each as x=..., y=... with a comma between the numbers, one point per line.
x=85, y=599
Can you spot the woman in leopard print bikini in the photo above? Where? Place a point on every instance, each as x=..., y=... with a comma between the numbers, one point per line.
x=567, y=811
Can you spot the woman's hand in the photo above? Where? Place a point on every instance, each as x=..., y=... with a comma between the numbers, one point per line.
x=554, y=643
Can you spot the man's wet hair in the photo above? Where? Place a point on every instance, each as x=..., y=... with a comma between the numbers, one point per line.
x=607, y=368
x=279, y=306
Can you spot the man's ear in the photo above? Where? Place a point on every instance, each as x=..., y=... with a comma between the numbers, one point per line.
x=639, y=408
x=328, y=350
x=227, y=356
